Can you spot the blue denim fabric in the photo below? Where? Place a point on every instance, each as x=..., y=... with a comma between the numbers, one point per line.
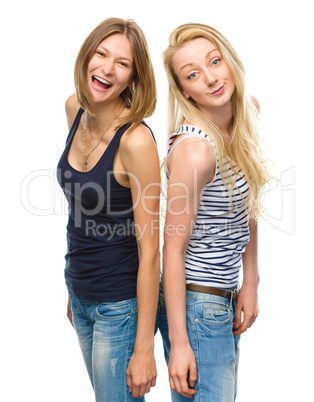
x=216, y=349
x=106, y=333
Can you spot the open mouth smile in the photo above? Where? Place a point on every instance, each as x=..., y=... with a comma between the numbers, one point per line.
x=100, y=84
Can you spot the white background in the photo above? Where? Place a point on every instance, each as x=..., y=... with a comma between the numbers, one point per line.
x=40, y=356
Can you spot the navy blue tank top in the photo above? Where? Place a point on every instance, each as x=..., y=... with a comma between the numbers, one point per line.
x=102, y=255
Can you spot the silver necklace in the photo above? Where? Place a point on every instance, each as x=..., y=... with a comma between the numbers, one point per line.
x=102, y=136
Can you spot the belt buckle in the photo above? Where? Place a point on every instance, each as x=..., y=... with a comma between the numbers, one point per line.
x=235, y=293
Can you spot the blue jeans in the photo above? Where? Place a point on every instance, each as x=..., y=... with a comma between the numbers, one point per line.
x=209, y=326
x=106, y=333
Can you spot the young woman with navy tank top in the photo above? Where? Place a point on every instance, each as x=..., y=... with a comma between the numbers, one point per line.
x=216, y=170
x=109, y=172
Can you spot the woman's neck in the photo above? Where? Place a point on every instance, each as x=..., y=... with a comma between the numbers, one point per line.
x=222, y=117
x=103, y=115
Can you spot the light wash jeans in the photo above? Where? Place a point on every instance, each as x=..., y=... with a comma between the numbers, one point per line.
x=106, y=333
x=216, y=349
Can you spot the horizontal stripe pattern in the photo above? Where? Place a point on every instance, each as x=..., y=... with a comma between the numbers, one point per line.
x=221, y=231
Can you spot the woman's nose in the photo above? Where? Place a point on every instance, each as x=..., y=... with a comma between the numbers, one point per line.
x=107, y=67
x=210, y=78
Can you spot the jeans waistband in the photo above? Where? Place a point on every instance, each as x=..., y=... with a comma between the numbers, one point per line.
x=208, y=293
x=131, y=302
x=228, y=294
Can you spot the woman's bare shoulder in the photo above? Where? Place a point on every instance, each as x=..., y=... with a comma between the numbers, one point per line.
x=193, y=153
x=71, y=108
x=137, y=138
x=256, y=103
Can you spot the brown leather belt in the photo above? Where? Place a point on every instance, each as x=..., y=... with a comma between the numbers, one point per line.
x=213, y=291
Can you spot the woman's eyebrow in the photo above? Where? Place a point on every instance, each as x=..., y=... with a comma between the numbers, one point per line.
x=192, y=63
x=120, y=57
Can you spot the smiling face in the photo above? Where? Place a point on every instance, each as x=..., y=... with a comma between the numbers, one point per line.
x=204, y=75
x=111, y=68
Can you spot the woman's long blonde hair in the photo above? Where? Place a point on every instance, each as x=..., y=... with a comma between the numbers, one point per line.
x=244, y=153
x=141, y=96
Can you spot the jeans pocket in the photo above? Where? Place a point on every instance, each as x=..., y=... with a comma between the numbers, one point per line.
x=114, y=311
x=215, y=314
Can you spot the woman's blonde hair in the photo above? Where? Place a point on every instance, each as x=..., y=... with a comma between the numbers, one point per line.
x=140, y=97
x=244, y=153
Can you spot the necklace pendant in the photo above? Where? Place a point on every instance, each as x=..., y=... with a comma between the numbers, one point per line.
x=85, y=164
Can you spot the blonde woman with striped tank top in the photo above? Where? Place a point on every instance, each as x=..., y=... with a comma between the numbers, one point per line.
x=216, y=170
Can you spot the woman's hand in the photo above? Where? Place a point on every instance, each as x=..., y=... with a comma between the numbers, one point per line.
x=246, y=310
x=69, y=311
x=182, y=370
x=141, y=373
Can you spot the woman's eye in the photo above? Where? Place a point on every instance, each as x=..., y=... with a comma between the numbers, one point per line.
x=100, y=53
x=216, y=62
x=193, y=75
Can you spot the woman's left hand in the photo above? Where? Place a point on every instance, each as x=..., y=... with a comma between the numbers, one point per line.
x=69, y=311
x=246, y=310
x=141, y=373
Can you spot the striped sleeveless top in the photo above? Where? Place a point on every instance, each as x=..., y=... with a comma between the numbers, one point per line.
x=221, y=231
